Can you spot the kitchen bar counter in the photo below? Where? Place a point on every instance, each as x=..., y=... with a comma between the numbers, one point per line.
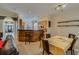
x=29, y=35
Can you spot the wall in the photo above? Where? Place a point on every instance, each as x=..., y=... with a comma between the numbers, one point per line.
x=1, y=25
x=43, y=21
x=4, y=12
x=67, y=15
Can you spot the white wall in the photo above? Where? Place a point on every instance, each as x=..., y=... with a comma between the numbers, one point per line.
x=4, y=12
x=1, y=25
x=68, y=15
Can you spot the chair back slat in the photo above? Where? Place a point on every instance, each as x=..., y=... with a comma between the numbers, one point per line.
x=74, y=40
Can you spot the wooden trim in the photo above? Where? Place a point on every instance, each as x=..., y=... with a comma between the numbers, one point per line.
x=15, y=18
x=68, y=25
x=2, y=17
x=69, y=21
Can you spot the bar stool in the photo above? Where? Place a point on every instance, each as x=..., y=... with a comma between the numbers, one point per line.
x=28, y=38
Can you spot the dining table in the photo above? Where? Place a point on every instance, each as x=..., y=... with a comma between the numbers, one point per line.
x=58, y=45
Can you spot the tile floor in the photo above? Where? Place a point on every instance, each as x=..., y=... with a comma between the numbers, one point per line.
x=31, y=49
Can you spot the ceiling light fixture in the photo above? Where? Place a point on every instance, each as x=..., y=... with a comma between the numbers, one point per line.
x=60, y=6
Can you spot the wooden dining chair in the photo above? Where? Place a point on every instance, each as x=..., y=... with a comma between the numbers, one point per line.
x=45, y=47
x=72, y=44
